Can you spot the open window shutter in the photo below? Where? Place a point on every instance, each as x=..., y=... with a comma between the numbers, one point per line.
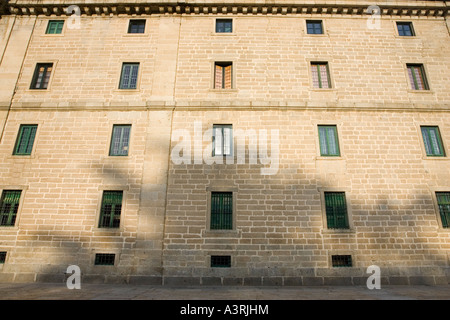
x=227, y=82
x=218, y=138
x=218, y=77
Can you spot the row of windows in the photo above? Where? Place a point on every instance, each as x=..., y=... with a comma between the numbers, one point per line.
x=137, y=26
x=222, y=140
x=223, y=75
x=221, y=209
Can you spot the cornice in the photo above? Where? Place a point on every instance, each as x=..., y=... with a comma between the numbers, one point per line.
x=294, y=7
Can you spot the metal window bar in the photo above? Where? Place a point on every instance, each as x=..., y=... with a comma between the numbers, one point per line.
x=220, y=261
x=341, y=261
x=336, y=210
x=221, y=211
x=443, y=200
x=55, y=27
x=9, y=207
x=104, y=259
x=432, y=141
x=2, y=257
x=111, y=209
x=120, y=140
x=25, y=140
x=128, y=78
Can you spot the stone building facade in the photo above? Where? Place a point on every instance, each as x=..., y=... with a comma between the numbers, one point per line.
x=115, y=117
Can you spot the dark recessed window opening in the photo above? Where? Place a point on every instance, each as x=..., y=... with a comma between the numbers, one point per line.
x=136, y=26
x=55, y=27
x=9, y=206
x=111, y=209
x=220, y=261
x=41, y=76
x=224, y=25
x=405, y=29
x=2, y=257
x=314, y=27
x=221, y=211
x=341, y=261
x=104, y=259
x=336, y=210
x=443, y=200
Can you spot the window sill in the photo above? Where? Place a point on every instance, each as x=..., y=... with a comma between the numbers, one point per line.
x=221, y=34
x=439, y=158
x=323, y=89
x=139, y=35
x=11, y=228
x=127, y=91
x=330, y=158
x=108, y=231
x=421, y=91
x=223, y=90
x=338, y=231
x=24, y=157
x=221, y=233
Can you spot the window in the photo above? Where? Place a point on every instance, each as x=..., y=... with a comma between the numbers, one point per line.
x=432, y=141
x=111, y=209
x=220, y=261
x=120, y=140
x=314, y=27
x=9, y=206
x=25, y=140
x=405, y=29
x=443, y=201
x=221, y=211
x=55, y=27
x=224, y=25
x=136, y=26
x=336, y=210
x=41, y=76
x=417, y=77
x=341, y=261
x=2, y=257
x=128, y=78
x=104, y=259
x=222, y=75
x=328, y=140
x=222, y=140
x=320, y=75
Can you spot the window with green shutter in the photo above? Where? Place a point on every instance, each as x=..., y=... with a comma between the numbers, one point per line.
x=120, y=140
x=328, y=140
x=443, y=200
x=41, y=76
x=432, y=141
x=417, y=78
x=336, y=210
x=55, y=27
x=320, y=75
x=9, y=207
x=25, y=140
x=111, y=209
x=129, y=76
x=221, y=211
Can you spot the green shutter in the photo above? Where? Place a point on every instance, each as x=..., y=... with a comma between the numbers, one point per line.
x=111, y=209
x=221, y=211
x=128, y=78
x=55, y=27
x=432, y=142
x=443, y=200
x=9, y=207
x=336, y=210
x=25, y=140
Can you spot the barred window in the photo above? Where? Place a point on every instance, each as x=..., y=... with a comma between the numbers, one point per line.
x=341, y=261
x=9, y=206
x=221, y=211
x=220, y=261
x=104, y=259
x=111, y=209
x=25, y=140
x=443, y=200
x=336, y=210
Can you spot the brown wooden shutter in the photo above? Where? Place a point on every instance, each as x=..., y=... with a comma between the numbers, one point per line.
x=218, y=77
x=227, y=77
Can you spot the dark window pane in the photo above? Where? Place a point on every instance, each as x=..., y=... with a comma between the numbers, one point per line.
x=220, y=261
x=339, y=261
x=405, y=29
x=443, y=200
x=41, y=76
x=224, y=25
x=314, y=27
x=104, y=259
x=9, y=207
x=111, y=209
x=336, y=210
x=25, y=140
x=221, y=210
x=136, y=26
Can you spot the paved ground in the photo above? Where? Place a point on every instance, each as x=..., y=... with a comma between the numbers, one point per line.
x=48, y=291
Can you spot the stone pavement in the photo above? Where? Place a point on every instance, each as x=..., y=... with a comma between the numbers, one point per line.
x=59, y=291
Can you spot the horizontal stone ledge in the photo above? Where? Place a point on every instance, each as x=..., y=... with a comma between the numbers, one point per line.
x=293, y=7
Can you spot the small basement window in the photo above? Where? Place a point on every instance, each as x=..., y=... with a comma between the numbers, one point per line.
x=104, y=259
x=341, y=261
x=2, y=257
x=220, y=261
